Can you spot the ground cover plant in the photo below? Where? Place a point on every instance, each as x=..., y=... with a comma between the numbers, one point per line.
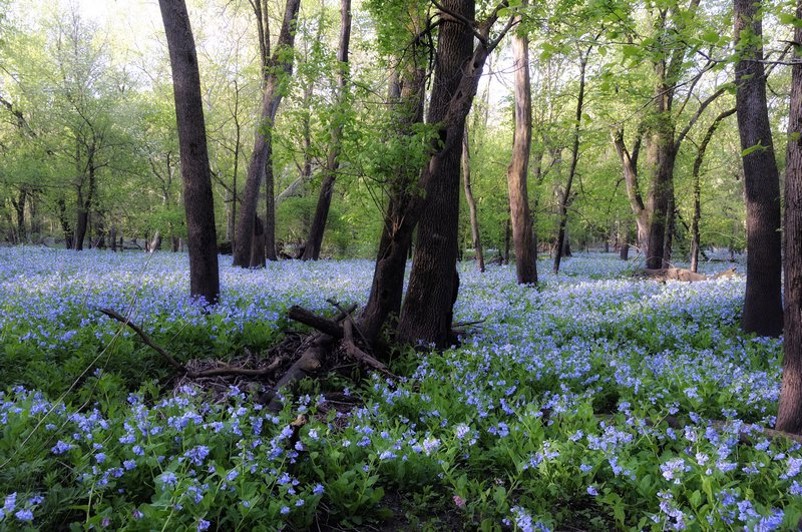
x=597, y=402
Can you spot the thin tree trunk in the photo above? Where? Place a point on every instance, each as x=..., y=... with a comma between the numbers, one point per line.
x=518, y=170
x=406, y=92
x=276, y=71
x=789, y=414
x=566, y=196
x=507, y=237
x=315, y=240
x=476, y=239
x=198, y=201
x=763, y=313
x=697, y=187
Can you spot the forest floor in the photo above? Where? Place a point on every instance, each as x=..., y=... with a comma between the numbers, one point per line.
x=599, y=401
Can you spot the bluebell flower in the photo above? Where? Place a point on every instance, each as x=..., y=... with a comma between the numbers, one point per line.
x=61, y=447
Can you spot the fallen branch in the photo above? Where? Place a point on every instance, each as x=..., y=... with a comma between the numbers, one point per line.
x=216, y=372
x=145, y=338
x=680, y=274
x=324, y=325
x=245, y=372
x=359, y=355
x=309, y=362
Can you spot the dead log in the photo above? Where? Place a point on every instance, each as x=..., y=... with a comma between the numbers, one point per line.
x=679, y=274
x=310, y=361
x=326, y=326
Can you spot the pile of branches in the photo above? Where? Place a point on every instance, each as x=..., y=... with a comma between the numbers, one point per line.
x=297, y=356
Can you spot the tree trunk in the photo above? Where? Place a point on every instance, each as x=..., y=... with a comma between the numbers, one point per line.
x=697, y=187
x=66, y=228
x=763, y=313
x=258, y=242
x=19, y=208
x=629, y=163
x=661, y=155
x=276, y=72
x=315, y=240
x=789, y=414
x=198, y=201
x=466, y=181
x=113, y=238
x=426, y=314
x=566, y=197
x=406, y=93
x=518, y=170
x=668, y=238
x=270, y=209
x=507, y=237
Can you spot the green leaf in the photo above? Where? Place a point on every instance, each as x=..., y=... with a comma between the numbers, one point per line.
x=711, y=36
x=752, y=149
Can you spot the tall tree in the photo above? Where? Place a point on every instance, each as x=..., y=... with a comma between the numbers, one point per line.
x=198, y=202
x=565, y=196
x=476, y=239
x=518, y=170
x=667, y=50
x=315, y=240
x=789, y=414
x=763, y=313
x=427, y=311
x=697, y=187
x=406, y=93
x=277, y=69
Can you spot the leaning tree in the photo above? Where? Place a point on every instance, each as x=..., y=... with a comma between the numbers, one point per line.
x=198, y=201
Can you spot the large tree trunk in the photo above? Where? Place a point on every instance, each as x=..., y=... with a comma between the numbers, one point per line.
x=789, y=414
x=315, y=240
x=198, y=201
x=763, y=313
x=427, y=311
x=661, y=156
x=476, y=239
x=518, y=170
x=276, y=71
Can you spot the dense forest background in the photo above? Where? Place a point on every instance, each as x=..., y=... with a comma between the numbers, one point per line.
x=89, y=149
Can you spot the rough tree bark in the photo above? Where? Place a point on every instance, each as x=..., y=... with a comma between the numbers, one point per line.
x=763, y=313
x=277, y=68
x=518, y=170
x=476, y=239
x=198, y=201
x=789, y=414
x=433, y=284
x=315, y=240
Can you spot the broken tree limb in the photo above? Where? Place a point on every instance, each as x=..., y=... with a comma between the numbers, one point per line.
x=244, y=372
x=310, y=361
x=324, y=325
x=216, y=372
x=359, y=355
x=145, y=338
